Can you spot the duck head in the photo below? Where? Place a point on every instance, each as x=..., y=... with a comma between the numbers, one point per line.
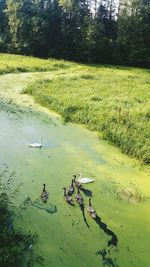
x=64, y=188
x=90, y=201
x=44, y=185
x=74, y=178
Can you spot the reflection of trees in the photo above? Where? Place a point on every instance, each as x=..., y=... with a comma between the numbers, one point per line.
x=16, y=247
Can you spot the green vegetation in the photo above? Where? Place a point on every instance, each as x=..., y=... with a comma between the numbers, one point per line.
x=16, y=63
x=15, y=246
x=89, y=31
x=114, y=101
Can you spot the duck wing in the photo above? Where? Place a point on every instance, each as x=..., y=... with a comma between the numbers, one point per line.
x=90, y=209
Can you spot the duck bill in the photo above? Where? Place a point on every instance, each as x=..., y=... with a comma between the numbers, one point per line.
x=71, y=203
x=93, y=215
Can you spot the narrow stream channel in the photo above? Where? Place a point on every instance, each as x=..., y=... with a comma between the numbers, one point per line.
x=120, y=235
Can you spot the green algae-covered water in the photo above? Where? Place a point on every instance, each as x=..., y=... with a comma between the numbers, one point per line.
x=120, y=192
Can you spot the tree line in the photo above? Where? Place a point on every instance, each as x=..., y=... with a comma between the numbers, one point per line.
x=98, y=31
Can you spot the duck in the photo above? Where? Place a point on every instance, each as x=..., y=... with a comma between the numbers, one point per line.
x=44, y=194
x=71, y=188
x=77, y=183
x=79, y=197
x=84, y=180
x=68, y=198
x=91, y=210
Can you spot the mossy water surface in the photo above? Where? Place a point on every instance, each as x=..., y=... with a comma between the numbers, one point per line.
x=64, y=238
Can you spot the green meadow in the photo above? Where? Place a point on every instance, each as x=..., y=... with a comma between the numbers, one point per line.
x=112, y=100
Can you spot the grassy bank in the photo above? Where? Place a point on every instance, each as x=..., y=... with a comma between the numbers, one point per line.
x=113, y=101
x=16, y=63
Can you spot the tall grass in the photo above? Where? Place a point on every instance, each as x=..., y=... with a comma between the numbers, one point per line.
x=113, y=101
x=17, y=63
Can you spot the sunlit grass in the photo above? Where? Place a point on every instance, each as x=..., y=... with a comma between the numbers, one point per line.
x=114, y=101
x=16, y=63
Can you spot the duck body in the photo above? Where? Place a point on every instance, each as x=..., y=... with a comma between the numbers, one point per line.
x=68, y=198
x=44, y=194
x=91, y=210
x=71, y=189
x=79, y=197
x=84, y=180
x=77, y=183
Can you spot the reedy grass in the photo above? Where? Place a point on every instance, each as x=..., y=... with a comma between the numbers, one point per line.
x=113, y=101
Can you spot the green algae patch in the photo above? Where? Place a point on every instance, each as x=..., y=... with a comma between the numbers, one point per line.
x=130, y=194
x=63, y=236
x=64, y=239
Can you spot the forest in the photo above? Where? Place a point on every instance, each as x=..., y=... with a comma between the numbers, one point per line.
x=74, y=137
x=106, y=31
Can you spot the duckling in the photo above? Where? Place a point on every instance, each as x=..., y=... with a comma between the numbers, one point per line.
x=71, y=189
x=91, y=210
x=77, y=183
x=44, y=194
x=68, y=198
x=79, y=198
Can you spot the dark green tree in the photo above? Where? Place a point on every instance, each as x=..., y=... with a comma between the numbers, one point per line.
x=134, y=34
x=86, y=30
x=2, y=25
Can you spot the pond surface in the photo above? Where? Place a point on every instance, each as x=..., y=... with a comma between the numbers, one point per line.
x=120, y=192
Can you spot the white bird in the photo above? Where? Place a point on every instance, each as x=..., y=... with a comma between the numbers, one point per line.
x=84, y=180
x=35, y=145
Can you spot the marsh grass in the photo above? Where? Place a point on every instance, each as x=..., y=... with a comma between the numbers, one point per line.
x=113, y=101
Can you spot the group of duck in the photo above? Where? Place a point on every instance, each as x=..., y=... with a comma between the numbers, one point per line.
x=68, y=194
x=78, y=185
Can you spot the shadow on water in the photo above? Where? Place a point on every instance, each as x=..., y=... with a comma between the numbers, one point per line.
x=50, y=208
x=107, y=260
x=105, y=254
x=87, y=192
x=103, y=226
x=83, y=213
